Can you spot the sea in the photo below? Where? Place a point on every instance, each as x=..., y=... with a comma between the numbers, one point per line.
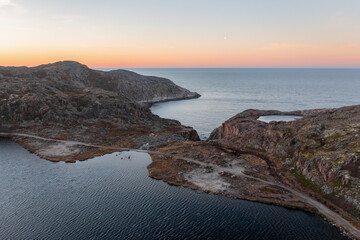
x=226, y=92
x=112, y=196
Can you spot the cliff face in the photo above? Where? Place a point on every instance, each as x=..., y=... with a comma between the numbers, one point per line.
x=70, y=98
x=322, y=149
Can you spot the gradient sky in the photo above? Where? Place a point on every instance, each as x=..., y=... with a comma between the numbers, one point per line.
x=181, y=33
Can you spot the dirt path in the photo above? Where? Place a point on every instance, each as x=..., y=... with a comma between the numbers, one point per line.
x=329, y=214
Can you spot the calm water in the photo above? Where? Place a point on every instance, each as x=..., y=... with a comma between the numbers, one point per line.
x=285, y=118
x=112, y=197
x=226, y=92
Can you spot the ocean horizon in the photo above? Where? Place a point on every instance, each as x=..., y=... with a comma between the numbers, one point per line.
x=228, y=91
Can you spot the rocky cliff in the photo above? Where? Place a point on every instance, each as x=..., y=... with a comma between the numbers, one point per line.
x=321, y=150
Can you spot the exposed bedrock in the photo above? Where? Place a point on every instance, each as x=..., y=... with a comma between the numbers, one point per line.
x=321, y=149
x=68, y=100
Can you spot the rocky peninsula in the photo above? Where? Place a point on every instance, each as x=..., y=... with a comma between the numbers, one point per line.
x=67, y=112
x=69, y=101
x=311, y=163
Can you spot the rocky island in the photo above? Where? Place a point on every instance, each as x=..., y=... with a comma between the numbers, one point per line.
x=67, y=112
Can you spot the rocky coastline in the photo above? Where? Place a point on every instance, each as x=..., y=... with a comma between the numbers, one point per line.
x=68, y=112
x=311, y=163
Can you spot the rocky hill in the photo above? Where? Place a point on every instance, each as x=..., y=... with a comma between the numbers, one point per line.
x=70, y=100
x=321, y=150
x=135, y=87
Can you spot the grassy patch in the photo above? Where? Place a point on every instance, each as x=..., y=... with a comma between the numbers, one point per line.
x=305, y=182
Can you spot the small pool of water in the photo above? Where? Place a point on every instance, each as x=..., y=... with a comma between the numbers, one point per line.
x=278, y=118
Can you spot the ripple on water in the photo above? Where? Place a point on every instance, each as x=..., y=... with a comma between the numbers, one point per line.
x=112, y=198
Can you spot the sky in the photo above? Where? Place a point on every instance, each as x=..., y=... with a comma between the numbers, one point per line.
x=181, y=33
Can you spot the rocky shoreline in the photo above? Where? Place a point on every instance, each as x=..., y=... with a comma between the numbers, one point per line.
x=68, y=112
x=208, y=167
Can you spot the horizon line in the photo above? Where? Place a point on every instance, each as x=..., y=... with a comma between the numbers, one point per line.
x=96, y=66
x=221, y=67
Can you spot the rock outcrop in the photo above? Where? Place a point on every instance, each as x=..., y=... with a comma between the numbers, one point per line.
x=147, y=89
x=321, y=150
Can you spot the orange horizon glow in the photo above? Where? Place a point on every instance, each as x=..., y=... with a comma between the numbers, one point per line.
x=325, y=33
x=271, y=56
